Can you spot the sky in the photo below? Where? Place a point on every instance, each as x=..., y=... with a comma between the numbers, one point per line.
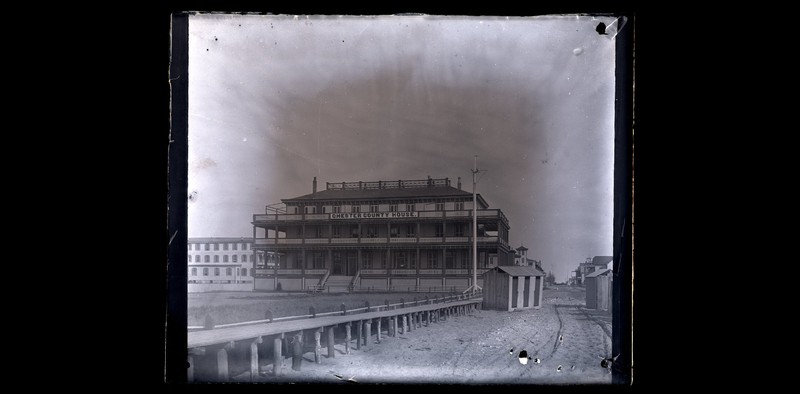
x=275, y=100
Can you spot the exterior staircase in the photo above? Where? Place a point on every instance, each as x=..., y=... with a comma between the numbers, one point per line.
x=337, y=284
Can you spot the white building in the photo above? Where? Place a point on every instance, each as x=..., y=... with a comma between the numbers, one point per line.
x=222, y=264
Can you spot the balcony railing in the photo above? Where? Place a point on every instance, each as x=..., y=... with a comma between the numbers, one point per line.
x=374, y=272
x=316, y=272
x=430, y=272
x=377, y=240
x=289, y=272
x=404, y=272
x=466, y=213
x=459, y=271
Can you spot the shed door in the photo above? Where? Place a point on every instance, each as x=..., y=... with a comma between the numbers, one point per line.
x=526, y=297
x=514, y=290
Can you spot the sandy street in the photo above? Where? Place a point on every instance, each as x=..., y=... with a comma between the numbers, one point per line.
x=476, y=349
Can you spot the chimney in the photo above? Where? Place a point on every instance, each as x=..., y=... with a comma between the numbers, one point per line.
x=314, y=191
x=459, y=183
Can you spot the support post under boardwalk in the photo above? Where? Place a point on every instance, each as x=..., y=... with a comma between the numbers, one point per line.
x=358, y=334
x=410, y=322
x=394, y=324
x=277, y=357
x=331, y=343
x=367, y=329
x=405, y=325
x=190, y=369
x=317, y=347
x=254, y=358
x=222, y=362
x=378, y=337
x=390, y=327
x=347, y=338
x=297, y=352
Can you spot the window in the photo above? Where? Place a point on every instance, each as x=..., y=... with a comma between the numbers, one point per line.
x=372, y=231
x=216, y=246
x=393, y=231
x=190, y=258
x=366, y=260
x=245, y=246
x=412, y=261
x=228, y=271
x=410, y=207
x=459, y=206
x=194, y=271
x=225, y=258
x=235, y=257
x=317, y=231
x=225, y=246
x=206, y=258
x=432, y=261
x=335, y=231
x=205, y=271
x=216, y=271
x=323, y=209
x=459, y=230
x=216, y=259
x=197, y=258
x=400, y=260
x=439, y=230
x=235, y=246
x=373, y=208
x=393, y=208
x=356, y=208
x=311, y=210
x=319, y=260
x=206, y=246
x=354, y=231
x=411, y=230
x=244, y=258
x=440, y=206
x=337, y=209
x=450, y=260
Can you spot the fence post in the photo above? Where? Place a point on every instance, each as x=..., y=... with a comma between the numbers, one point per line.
x=331, y=343
x=312, y=312
x=317, y=346
x=366, y=304
x=387, y=304
x=277, y=358
x=268, y=315
x=297, y=351
x=358, y=334
x=347, y=338
x=344, y=309
x=402, y=303
x=254, y=358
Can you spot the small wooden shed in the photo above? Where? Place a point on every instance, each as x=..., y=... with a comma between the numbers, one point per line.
x=598, y=289
x=508, y=288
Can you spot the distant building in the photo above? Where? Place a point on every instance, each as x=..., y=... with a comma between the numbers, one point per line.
x=599, y=289
x=223, y=264
x=591, y=265
x=380, y=235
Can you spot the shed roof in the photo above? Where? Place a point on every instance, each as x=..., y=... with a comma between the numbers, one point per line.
x=598, y=273
x=520, y=271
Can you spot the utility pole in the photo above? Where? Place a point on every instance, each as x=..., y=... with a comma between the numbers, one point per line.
x=474, y=286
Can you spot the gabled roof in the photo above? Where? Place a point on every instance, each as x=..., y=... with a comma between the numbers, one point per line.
x=602, y=260
x=519, y=271
x=598, y=273
x=522, y=248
